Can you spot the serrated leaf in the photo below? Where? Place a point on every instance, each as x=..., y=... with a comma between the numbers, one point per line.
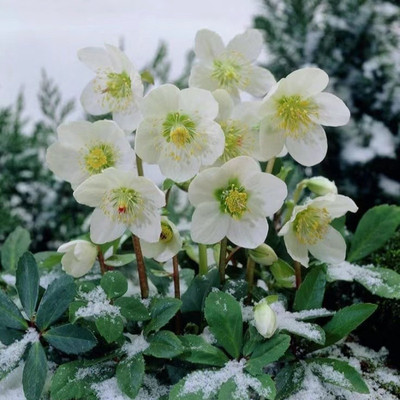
x=224, y=316
x=376, y=226
x=35, y=372
x=110, y=327
x=10, y=316
x=198, y=351
x=130, y=375
x=161, y=310
x=289, y=380
x=114, y=284
x=164, y=344
x=71, y=339
x=119, y=260
x=55, y=301
x=310, y=294
x=132, y=309
x=16, y=244
x=27, y=283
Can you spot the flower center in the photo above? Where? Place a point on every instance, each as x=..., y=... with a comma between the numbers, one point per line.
x=178, y=129
x=118, y=85
x=311, y=225
x=294, y=114
x=237, y=141
x=233, y=200
x=166, y=233
x=226, y=72
x=99, y=157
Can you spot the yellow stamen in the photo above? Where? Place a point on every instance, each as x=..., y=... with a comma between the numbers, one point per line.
x=311, y=225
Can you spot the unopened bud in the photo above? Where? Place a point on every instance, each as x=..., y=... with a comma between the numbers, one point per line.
x=321, y=186
x=263, y=254
x=264, y=319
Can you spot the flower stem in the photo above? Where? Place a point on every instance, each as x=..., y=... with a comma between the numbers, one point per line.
x=177, y=291
x=250, y=275
x=144, y=286
x=139, y=165
x=103, y=267
x=222, y=259
x=297, y=271
x=270, y=165
x=203, y=262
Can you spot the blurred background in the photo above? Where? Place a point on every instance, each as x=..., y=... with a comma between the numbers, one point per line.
x=355, y=41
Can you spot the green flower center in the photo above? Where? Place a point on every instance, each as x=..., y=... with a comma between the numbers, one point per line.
x=118, y=86
x=233, y=200
x=311, y=225
x=294, y=115
x=166, y=233
x=226, y=72
x=178, y=129
x=99, y=157
x=236, y=137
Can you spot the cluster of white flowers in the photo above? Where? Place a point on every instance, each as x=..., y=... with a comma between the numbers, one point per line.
x=203, y=134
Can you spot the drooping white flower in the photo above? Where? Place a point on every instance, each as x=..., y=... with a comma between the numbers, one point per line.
x=263, y=254
x=321, y=185
x=294, y=111
x=85, y=149
x=233, y=201
x=79, y=257
x=123, y=201
x=231, y=67
x=168, y=244
x=309, y=229
x=116, y=88
x=240, y=124
x=179, y=132
x=264, y=319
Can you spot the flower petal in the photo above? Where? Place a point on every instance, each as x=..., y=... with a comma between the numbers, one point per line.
x=295, y=249
x=208, y=45
x=148, y=140
x=74, y=134
x=248, y=44
x=147, y=225
x=161, y=101
x=248, y=231
x=338, y=205
x=198, y=103
x=307, y=81
x=260, y=81
x=200, y=77
x=211, y=140
x=92, y=101
x=242, y=168
x=94, y=58
x=310, y=149
x=129, y=119
x=272, y=141
x=103, y=229
x=332, y=110
x=225, y=104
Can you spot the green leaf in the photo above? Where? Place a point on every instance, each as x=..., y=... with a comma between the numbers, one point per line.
x=130, y=375
x=267, y=352
x=383, y=282
x=161, y=310
x=338, y=373
x=177, y=392
x=114, y=284
x=164, y=344
x=35, y=372
x=119, y=260
x=227, y=390
x=71, y=339
x=289, y=380
x=132, y=309
x=28, y=283
x=283, y=273
x=268, y=386
x=48, y=259
x=167, y=184
x=73, y=308
x=375, y=227
x=8, y=335
x=55, y=301
x=346, y=320
x=310, y=294
x=251, y=340
x=198, y=351
x=147, y=77
x=16, y=244
x=224, y=316
x=110, y=327
x=10, y=316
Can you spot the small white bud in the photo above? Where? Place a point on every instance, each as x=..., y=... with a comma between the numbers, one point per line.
x=263, y=254
x=264, y=319
x=321, y=186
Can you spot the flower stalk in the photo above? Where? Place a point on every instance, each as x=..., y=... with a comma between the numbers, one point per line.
x=139, y=165
x=222, y=259
x=144, y=286
x=297, y=271
x=203, y=262
x=270, y=165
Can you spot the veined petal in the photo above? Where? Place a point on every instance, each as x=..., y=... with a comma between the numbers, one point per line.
x=200, y=77
x=296, y=250
x=248, y=231
x=161, y=101
x=94, y=58
x=103, y=229
x=307, y=81
x=208, y=45
x=260, y=81
x=209, y=225
x=272, y=141
x=92, y=101
x=248, y=44
x=198, y=103
x=310, y=149
x=331, y=249
x=331, y=110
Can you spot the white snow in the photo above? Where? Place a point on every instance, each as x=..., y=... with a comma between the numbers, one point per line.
x=208, y=336
x=98, y=305
x=136, y=345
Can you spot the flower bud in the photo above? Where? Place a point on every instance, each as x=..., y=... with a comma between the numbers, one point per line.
x=264, y=319
x=263, y=254
x=79, y=257
x=321, y=186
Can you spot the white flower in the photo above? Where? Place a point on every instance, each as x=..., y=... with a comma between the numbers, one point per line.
x=84, y=149
x=168, y=244
x=264, y=319
x=123, y=201
x=233, y=201
x=240, y=124
x=321, y=185
x=294, y=111
x=231, y=67
x=263, y=254
x=309, y=229
x=117, y=87
x=179, y=132
x=79, y=257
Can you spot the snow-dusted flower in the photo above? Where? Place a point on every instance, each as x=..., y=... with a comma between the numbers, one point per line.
x=263, y=254
x=321, y=185
x=231, y=67
x=179, y=132
x=294, y=111
x=79, y=257
x=116, y=88
x=123, y=201
x=309, y=229
x=233, y=201
x=168, y=244
x=264, y=319
x=240, y=124
x=84, y=149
